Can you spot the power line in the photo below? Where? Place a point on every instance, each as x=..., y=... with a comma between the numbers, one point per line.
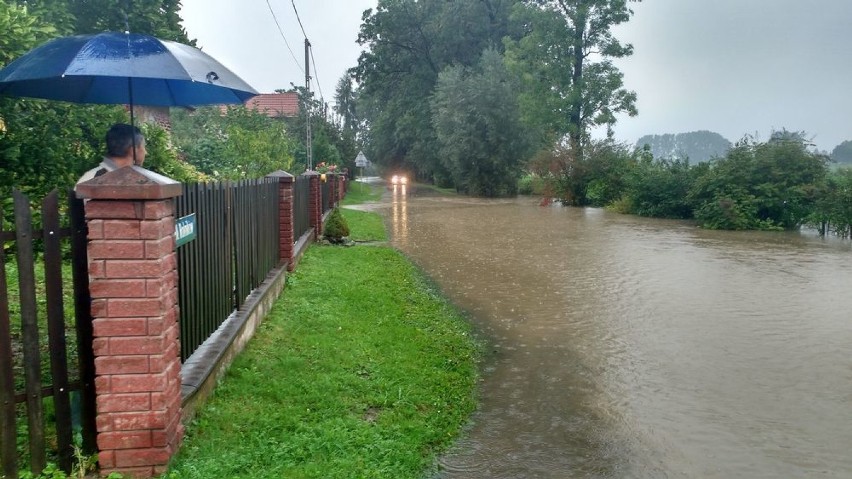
x=313, y=61
x=281, y=31
x=316, y=74
x=298, y=18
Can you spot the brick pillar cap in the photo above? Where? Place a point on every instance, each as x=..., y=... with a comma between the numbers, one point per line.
x=282, y=175
x=310, y=173
x=129, y=183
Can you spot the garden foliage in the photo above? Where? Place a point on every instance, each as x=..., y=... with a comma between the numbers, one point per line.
x=781, y=183
x=336, y=228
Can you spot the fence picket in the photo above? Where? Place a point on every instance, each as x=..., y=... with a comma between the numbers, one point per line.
x=24, y=236
x=29, y=330
x=83, y=314
x=8, y=449
x=56, y=328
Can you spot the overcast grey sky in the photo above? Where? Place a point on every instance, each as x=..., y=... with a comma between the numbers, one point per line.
x=732, y=66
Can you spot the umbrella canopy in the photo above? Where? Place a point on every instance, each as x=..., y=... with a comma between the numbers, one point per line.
x=122, y=68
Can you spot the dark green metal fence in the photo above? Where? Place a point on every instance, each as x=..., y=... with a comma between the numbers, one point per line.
x=236, y=246
x=256, y=222
x=301, y=197
x=205, y=264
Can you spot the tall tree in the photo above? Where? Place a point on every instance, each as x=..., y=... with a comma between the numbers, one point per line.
x=345, y=103
x=159, y=18
x=408, y=43
x=350, y=125
x=478, y=127
x=566, y=58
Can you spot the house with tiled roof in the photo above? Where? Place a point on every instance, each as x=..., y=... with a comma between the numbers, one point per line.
x=276, y=105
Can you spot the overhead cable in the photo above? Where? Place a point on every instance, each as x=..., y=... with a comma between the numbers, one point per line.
x=313, y=61
x=281, y=31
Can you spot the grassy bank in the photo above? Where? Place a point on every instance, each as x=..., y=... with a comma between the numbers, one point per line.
x=368, y=226
x=364, y=226
x=361, y=370
x=362, y=192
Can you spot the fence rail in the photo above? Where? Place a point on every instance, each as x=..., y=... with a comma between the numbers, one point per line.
x=27, y=243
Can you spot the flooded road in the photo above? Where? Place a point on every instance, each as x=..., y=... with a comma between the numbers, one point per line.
x=630, y=347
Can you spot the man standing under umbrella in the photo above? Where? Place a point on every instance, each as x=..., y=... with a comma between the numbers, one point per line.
x=125, y=147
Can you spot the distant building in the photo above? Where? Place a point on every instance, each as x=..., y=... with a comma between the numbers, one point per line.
x=276, y=105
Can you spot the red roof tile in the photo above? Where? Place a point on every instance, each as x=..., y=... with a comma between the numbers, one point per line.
x=276, y=105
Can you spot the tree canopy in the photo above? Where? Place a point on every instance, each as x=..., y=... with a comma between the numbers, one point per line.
x=558, y=80
x=478, y=128
x=565, y=55
x=408, y=45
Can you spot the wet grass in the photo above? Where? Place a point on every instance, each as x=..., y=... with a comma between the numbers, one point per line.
x=361, y=370
x=364, y=226
x=362, y=193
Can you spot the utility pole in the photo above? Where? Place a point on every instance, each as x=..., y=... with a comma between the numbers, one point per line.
x=309, y=150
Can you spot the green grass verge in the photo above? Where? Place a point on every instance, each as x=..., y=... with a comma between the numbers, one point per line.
x=362, y=193
x=364, y=226
x=361, y=370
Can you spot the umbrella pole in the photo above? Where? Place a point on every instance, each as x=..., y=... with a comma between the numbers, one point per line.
x=132, y=119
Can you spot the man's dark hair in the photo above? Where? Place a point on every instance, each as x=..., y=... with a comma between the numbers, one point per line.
x=120, y=139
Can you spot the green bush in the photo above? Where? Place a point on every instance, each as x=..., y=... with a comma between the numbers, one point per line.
x=531, y=184
x=336, y=227
x=770, y=185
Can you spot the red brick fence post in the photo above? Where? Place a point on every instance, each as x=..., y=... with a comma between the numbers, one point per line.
x=341, y=187
x=133, y=283
x=315, y=203
x=286, y=239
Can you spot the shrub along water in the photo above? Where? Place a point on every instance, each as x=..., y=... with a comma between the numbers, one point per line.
x=361, y=370
x=778, y=184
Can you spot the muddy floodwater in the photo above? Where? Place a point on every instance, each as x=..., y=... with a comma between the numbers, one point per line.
x=628, y=347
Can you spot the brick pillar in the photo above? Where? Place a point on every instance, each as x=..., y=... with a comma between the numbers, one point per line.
x=341, y=187
x=315, y=203
x=133, y=285
x=332, y=189
x=286, y=238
